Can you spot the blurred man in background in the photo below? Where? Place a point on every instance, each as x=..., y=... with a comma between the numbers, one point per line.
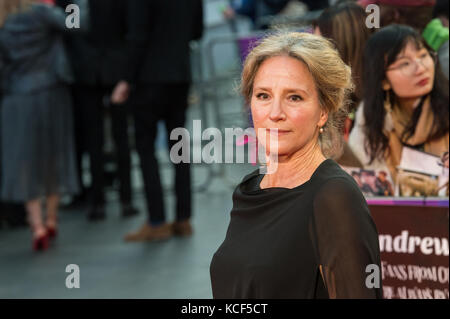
x=99, y=59
x=161, y=85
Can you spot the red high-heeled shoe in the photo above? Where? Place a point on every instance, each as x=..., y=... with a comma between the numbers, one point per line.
x=52, y=232
x=40, y=243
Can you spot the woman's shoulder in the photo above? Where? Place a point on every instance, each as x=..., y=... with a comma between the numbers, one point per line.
x=329, y=169
x=330, y=176
x=336, y=195
x=249, y=182
x=250, y=176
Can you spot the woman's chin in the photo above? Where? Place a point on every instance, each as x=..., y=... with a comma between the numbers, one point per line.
x=280, y=152
x=417, y=94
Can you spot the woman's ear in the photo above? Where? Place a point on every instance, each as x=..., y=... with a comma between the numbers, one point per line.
x=323, y=118
x=386, y=85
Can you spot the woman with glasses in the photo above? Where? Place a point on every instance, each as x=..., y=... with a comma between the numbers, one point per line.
x=405, y=100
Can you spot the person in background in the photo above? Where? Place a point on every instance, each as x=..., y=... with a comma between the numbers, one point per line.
x=344, y=24
x=81, y=199
x=254, y=9
x=99, y=59
x=417, y=14
x=440, y=12
x=368, y=182
x=405, y=100
x=382, y=185
x=160, y=77
x=258, y=9
x=38, y=151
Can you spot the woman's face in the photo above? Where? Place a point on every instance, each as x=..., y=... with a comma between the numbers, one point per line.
x=412, y=73
x=285, y=97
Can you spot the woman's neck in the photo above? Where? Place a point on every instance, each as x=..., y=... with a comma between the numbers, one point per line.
x=296, y=169
x=408, y=105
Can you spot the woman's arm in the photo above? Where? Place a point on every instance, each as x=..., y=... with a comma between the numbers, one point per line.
x=346, y=240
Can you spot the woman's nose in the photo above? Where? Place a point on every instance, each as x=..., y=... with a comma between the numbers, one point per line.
x=276, y=111
x=420, y=66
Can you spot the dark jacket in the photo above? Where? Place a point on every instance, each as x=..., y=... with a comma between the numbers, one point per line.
x=166, y=27
x=140, y=41
x=33, y=50
x=99, y=56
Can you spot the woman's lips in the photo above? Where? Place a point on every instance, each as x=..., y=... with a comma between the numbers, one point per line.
x=423, y=82
x=280, y=132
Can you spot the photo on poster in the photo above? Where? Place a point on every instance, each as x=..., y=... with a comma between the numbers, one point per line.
x=421, y=174
x=416, y=184
x=372, y=183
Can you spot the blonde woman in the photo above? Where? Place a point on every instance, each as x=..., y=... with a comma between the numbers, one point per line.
x=38, y=157
x=304, y=231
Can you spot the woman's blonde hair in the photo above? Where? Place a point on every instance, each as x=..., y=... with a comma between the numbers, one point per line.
x=8, y=7
x=332, y=77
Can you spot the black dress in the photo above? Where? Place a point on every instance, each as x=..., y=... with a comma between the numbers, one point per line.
x=278, y=238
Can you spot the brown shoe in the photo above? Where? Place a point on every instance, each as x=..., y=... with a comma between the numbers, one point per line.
x=149, y=233
x=183, y=228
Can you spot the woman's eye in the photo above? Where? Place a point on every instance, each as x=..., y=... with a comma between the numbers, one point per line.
x=295, y=98
x=404, y=64
x=262, y=96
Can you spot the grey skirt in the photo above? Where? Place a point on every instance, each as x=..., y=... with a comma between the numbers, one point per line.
x=37, y=145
